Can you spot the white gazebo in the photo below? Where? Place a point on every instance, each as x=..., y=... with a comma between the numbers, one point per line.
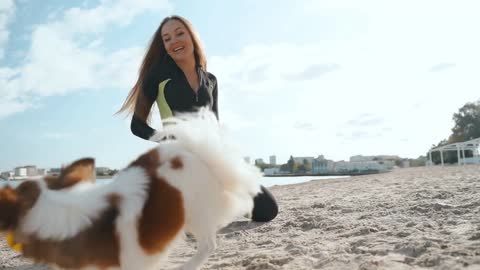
x=459, y=147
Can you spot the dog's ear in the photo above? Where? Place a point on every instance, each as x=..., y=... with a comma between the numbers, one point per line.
x=9, y=208
x=82, y=170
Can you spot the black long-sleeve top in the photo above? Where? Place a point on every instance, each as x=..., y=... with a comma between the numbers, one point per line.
x=168, y=86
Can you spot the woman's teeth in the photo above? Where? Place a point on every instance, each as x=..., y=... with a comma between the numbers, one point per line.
x=178, y=49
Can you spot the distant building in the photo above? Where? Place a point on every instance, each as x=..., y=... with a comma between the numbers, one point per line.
x=358, y=158
x=31, y=170
x=259, y=161
x=24, y=171
x=102, y=170
x=247, y=159
x=54, y=171
x=271, y=171
x=371, y=158
x=41, y=171
x=301, y=160
x=322, y=165
x=20, y=172
x=273, y=160
x=7, y=175
x=359, y=166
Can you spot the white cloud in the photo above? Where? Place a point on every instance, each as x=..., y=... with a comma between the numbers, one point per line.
x=110, y=12
x=56, y=64
x=9, y=107
x=366, y=120
x=67, y=55
x=7, y=11
x=9, y=97
x=314, y=71
x=442, y=67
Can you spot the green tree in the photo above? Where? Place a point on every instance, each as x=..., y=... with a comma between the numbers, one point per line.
x=418, y=162
x=284, y=168
x=466, y=127
x=301, y=169
x=263, y=166
x=467, y=123
x=306, y=165
x=292, y=165
x=398, y=162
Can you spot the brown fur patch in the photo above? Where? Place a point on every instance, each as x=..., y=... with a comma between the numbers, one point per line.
x=163, y=214
x=9, y=208
x=177, y=163
x=15, y=203
x=79, y=171
x=97, y=245
x=28, y=193
x=53, y=182
x=149, y=161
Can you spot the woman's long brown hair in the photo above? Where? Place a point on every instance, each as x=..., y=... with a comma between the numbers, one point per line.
x=156, y=53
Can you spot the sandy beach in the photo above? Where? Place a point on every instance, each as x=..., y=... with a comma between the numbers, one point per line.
x=415, y=218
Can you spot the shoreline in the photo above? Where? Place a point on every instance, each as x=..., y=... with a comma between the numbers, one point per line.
x=327, y=174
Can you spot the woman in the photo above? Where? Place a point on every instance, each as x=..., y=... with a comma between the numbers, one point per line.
x=174, y=75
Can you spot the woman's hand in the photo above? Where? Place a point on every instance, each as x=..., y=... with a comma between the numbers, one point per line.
x=161, y=136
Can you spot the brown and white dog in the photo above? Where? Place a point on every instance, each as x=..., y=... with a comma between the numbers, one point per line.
x=196, y=183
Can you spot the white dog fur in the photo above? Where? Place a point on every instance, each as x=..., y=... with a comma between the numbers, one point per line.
x=215, y=183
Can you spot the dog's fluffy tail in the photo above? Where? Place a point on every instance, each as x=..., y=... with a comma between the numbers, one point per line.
x=202, y=135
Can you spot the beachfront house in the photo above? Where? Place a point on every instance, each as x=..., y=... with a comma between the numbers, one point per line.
x=385, y=162
x=374, y=158
x=54, y=171
x=460, y=148
x=7, y=175
x=20, y=172
x=273, y=160
x=362, y=166
x=24, y=171
x=102, y=171
x=272, y=171
x=321, y=165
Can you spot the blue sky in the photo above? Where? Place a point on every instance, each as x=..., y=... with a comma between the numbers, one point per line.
x=303, y=78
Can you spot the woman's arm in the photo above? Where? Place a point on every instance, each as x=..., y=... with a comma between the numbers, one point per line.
x=146, y=98
x=140, y=128
x=215, y=98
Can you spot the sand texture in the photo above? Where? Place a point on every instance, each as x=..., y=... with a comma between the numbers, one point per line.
x=415, y=218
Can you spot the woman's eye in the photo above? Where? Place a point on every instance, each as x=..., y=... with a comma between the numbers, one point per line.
x=166, y=40
x=180, y=34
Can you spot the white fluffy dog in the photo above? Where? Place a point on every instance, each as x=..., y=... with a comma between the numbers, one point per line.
x=196, y=183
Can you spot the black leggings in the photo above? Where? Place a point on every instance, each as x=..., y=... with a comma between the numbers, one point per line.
x=265, y=208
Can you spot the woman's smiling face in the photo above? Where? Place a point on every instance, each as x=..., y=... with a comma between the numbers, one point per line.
x=177, y=41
